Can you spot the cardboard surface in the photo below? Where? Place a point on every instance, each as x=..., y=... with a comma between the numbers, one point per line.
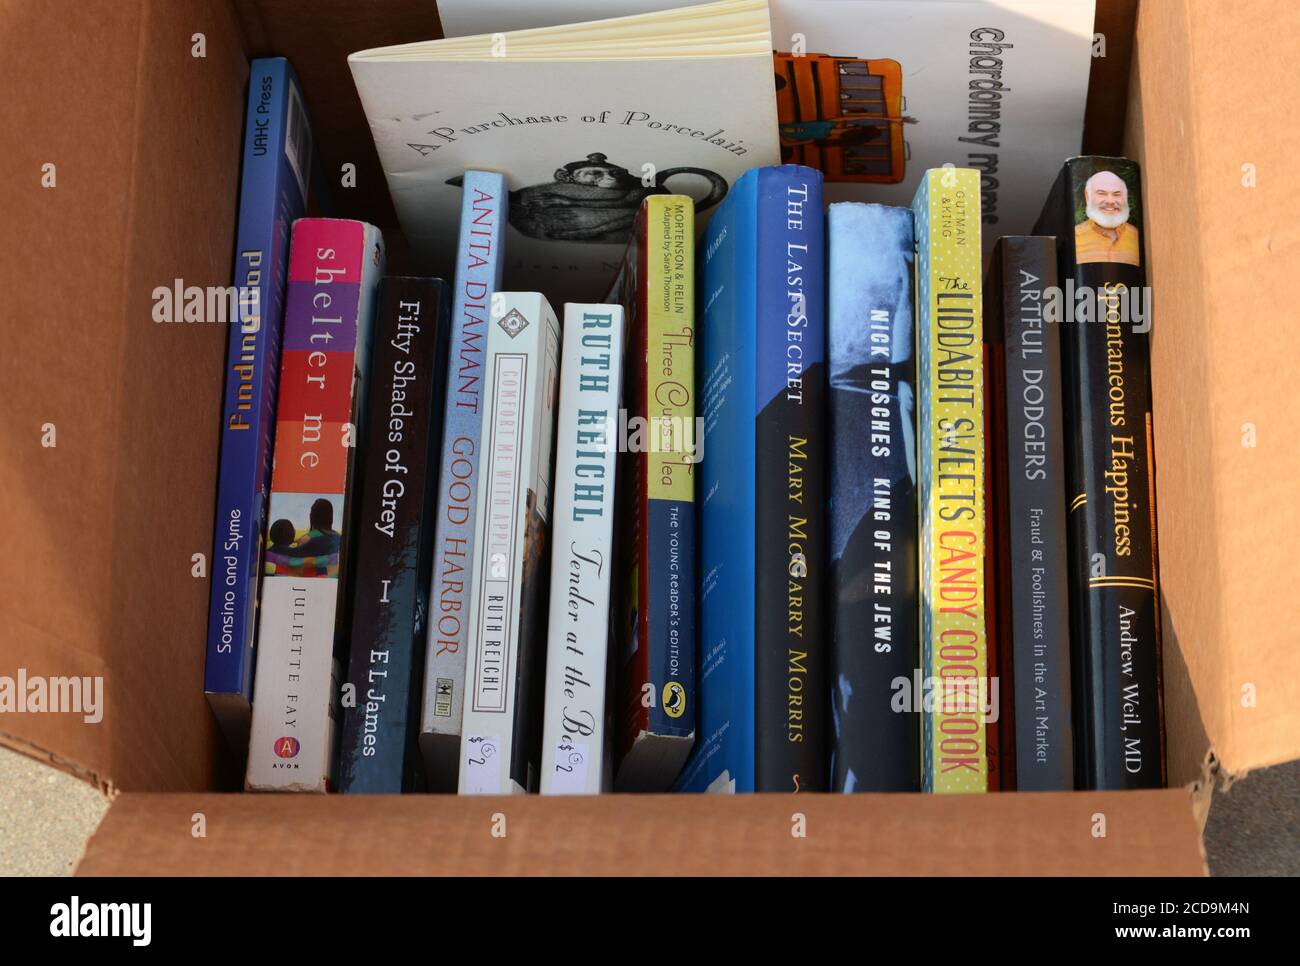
x=1223, y=256
x=1146, y=833
x=1108, y=81
x=95, y=577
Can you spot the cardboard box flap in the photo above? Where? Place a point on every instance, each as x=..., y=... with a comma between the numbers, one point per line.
x=1128, y=833
x=120, y=176
x=1223, y=242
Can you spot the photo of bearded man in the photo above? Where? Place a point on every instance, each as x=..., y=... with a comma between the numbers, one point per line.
x=1106, y=234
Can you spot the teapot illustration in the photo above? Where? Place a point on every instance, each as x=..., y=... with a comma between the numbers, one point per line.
x=594, y=200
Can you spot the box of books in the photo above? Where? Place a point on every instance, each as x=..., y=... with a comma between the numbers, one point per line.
x=124, y=187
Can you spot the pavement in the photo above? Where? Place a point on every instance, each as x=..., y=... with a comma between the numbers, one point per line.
x=46, y=817
x=1254, y=827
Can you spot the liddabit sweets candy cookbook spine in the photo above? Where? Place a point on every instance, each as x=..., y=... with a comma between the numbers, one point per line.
x=334, y=271
x=501, y=734
x=582, y=551
x=397, y=498
x=953, y=686
x=1095, y=212
x=478, y=274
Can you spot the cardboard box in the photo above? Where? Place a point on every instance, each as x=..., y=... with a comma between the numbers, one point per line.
x=101, y=528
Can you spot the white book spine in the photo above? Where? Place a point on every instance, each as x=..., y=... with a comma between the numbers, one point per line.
x=506, y=629
x=582, y=543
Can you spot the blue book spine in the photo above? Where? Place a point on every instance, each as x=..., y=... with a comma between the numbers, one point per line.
x=478, y=276
x=872, y=463
x=273, y=192
x=762, y=520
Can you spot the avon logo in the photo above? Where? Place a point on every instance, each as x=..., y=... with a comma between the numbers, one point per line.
x=287, y=747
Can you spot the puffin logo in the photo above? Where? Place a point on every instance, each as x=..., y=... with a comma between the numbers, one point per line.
x=287, y=747
x=674, y=699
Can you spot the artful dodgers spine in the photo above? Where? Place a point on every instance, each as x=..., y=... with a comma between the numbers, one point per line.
x=478, y=274
x=954, y=688
x=1028, y=522
x=334, y=269
x=274, y=189
x=396, y=499
x=656, y=586
x=872, y=516
x=1095, y=211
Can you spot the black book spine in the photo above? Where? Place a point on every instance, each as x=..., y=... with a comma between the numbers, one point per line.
x=789, y=486
x=872, y=519
x=394, y=546
x=1033, y=538
x=1095, y=211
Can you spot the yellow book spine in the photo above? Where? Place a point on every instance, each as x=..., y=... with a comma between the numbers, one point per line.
x=956, y=695
x=670, y=349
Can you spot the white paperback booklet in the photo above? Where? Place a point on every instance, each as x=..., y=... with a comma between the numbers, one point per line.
x=874, y=92
x=584, y=121
x=506, y=645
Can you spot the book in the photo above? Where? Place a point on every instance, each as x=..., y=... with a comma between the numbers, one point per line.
x=762, y=687
x=585, y=122
x=1095, y=212
x=501, y=734
x=275, y=188
x=655, y=608
x=1029, y=521
x=478, y=275
x=334, y=271
x=871, y=518
x=999, y=727
x=954, y=688
x=582, y=551
x=875, y=92
x=397, y=499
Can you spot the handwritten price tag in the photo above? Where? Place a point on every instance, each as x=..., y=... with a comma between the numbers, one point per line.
x=482, y=765
x=569, y=776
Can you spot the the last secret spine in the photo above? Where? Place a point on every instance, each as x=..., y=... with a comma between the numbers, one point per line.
x=789, y=486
